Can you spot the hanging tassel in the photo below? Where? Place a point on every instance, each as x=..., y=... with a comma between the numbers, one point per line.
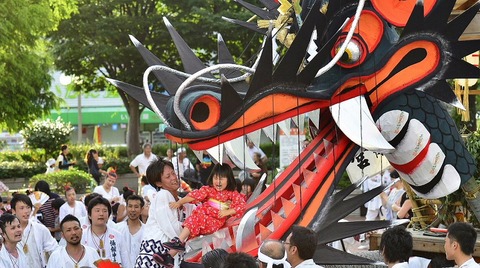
x=466, y=103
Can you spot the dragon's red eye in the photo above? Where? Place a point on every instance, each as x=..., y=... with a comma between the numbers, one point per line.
x=353, y=56
x=205, y=112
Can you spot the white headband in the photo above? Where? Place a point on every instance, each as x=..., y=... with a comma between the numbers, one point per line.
x=270, y=262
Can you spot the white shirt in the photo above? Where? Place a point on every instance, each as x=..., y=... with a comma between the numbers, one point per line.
x=142, y=162
x=78, y=210
x=107, y=195
x=7, y=260
x=112, y=241
x=308, y=263
x=148, y=190
x=181, y=166
x=163, y=223
x=369, y=184
x=61, y=259
x=131, y=241
x=469, y=264
x=39, y=242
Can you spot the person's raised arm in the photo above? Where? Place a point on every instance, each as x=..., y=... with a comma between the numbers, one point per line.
x=181, y=202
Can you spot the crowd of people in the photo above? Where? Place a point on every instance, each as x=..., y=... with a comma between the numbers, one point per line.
x=152, y=229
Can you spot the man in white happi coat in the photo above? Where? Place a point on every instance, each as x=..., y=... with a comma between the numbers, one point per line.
x=132, y=229
x=73, y=254
x=11, y=255
x=37, y=242
x=105, y=240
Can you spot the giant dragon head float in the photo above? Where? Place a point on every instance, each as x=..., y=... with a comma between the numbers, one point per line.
x=376, y=71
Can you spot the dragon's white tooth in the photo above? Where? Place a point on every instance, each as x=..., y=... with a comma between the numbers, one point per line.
x=355, y=120
x=237, y=150
x=245, y=235
x=216, y=152
x=314, y=116
x=285, y=126
x=271, y=132
x=255, y=137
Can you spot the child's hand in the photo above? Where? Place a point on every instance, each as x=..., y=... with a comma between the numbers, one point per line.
x=174, y=205
x=223, y=213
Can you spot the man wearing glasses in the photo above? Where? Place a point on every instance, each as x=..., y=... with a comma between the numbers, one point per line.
x=300, y=246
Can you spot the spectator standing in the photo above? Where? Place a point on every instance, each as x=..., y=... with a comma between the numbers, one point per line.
x=63, y=162
x=393, y=198
x=48, y=215
x=257, y=175
x=271, y=254
x=404, y=209
x=132, y=229
x=169, y=154
x=107, y=189
x=36, y=241
x=104, y=239
x=252, y=149
x=72, y=206
x=181, y=162
x=396, y=247
x=56, y=205
x=460, y=244
x=204, y=167
x=300, y=245
x=73, y=254
x=373, y=206
x=143, y=160
x=91, y=159
x=50, y=166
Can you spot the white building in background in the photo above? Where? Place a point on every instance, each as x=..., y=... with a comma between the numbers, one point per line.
x=102, y=110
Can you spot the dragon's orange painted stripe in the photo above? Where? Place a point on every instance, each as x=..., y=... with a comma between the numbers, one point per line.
x=397, y=12
x=269, y=106
x=406, y=77
x=384, y=84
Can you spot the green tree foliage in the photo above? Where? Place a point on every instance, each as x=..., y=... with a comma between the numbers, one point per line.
x=24, y=60
x=78, y=179
x=48, y=135
x=93, y=43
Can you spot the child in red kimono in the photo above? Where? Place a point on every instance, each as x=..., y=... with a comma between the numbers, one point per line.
x=217, y=201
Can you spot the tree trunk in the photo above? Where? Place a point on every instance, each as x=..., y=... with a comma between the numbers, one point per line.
x=472, y=195
x=133, y=131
